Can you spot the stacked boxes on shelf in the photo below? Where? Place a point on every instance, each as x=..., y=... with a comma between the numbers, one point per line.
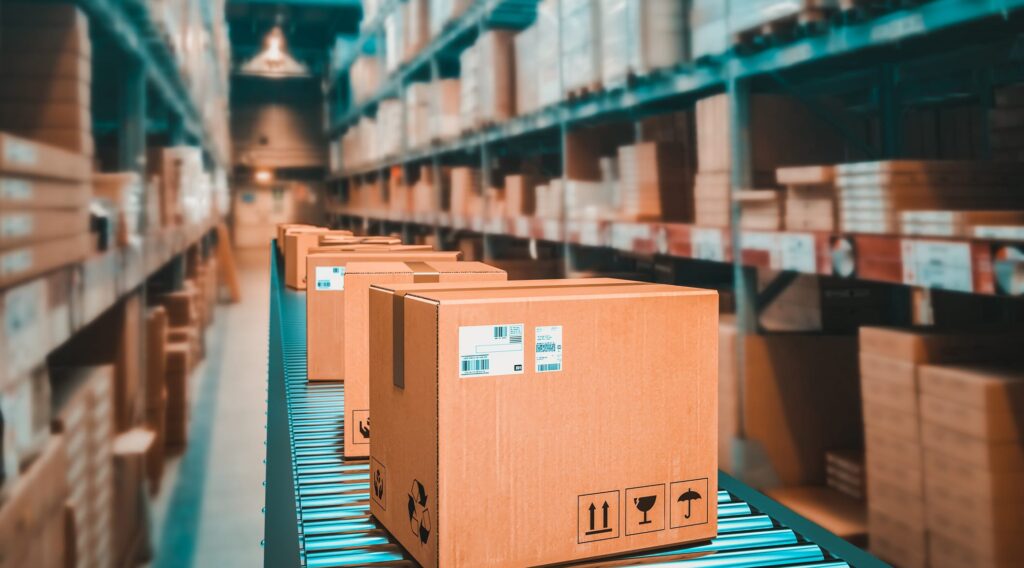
x=973, y=463
x=44, y=219
x=549, y=56
x=432, y=112
x=844, y=472
x=810, y=202
x=520, y=195
x=580, y=45
x=526, y=64
x=47, y=72
x=84, y=410
x=873, y=195
x=364, y=78
x=640, y=37
x=416, y=27
x=656, y=182
x=487, y=83
x=122, y=194
x=33, y=520
x=891, y=387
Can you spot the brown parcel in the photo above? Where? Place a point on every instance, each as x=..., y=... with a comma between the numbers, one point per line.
x=325, y=306
x=24, y=193
x=27, y=227
x=22, y=156
x=628, y=420
x=359, y=276
x=282, y=227
x=297, y=242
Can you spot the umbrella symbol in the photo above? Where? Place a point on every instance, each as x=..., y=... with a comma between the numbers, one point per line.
x=689, y=497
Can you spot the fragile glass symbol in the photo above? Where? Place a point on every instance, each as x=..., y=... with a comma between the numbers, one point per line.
x=604, y=524
x=645, y=504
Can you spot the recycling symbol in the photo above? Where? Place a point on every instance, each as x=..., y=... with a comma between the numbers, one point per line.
x=419, y=515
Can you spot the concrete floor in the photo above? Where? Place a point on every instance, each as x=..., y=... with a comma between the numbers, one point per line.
x=209, y=511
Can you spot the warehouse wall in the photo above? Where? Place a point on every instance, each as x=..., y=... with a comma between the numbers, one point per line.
x=277, y=123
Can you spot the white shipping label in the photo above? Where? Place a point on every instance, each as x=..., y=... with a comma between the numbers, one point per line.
x=20, y=153
x=15, y=261
x=330, y=278
x=798, y=253
x=15, y=190
x=15, y=226
x=491, y=350
x=935, y=264
x=549, y=348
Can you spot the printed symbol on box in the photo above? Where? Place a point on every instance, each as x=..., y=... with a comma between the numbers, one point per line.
x=378, y=478
x=361, y=418
x=419, y=515
x=598, y=516
x=689, y=503
x=645, y=509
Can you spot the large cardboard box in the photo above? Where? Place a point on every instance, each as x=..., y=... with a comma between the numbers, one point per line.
x=359, y=277
x=297, y=244
x=593, y=405
x=24, y=262
x=33, y=509
x=18, y=228
x=26, y=193
x=325, y=305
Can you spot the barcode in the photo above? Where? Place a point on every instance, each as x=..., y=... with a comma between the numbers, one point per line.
x=517, y=335
x=476, y=365
x=321, y=284
x=545, y=348
x=545, y=367
x=500, y=331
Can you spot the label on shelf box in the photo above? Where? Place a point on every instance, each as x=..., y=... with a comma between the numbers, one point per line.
x=330, y=278
x=15, y=261
x=936, y=264
x=15, y=225
x=491, y=350
x=797, y=253
x=708, y=244
x=15, y=189
x=548, y=348
x=20, y=152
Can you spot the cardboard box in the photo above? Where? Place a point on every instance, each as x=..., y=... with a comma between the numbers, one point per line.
x=928, y=345
x=485, y=419
x=325, y=306
x=896, y=541
x=38, y=160
x=986, y=423
x=79, y=141
x=282, y=228
x=18, y=228
x=992, y=456
x=359, y=277
x=32, y=516
x=987, y=498
x=888, y=382
x=297, y=242
x=21, y=263
x=19, y=193
x=992, y=389
x=131, y=450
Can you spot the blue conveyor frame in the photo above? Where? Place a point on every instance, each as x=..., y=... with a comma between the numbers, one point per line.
x=317, y=502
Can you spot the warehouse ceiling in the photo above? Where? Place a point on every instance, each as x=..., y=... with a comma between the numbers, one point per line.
x=310, y=27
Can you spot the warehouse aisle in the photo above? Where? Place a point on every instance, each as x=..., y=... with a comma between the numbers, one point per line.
x=209, y=511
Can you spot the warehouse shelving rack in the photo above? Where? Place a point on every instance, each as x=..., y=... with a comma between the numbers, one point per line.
x=317, y=511
x=918, y=53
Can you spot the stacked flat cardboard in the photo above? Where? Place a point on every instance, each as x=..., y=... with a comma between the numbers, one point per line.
x=872, y=195
x=359, y=277
x=465, y=186
x=526, y=48
x=656, y=182
x=32, y=519
x=48, y=54
x=973, y=505
x=84, y=406
x=581, y=44
x=640, y=37
x=520, y=365
x=844, y=472
x=761, y=210
x=325, y=305
x=890, y=366
x=588, y=199
x=548, y=200
x=549, y=55
x=811, y=201
x=957, y=223
x=487, y=88
x=44, y=220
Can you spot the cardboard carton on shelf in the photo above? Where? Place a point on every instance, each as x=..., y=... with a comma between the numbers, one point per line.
x=581, y=427
x=20, y=228
x=23, y=193
x=131, y=450
x=32, y=517
x=179, y=364
x=893, y=539
x=21, y=156
x=359, y=277
x=326, y=306
x=519, y=195
x=297, y=242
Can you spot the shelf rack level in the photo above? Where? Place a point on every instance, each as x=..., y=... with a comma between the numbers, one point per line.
x=318, y=511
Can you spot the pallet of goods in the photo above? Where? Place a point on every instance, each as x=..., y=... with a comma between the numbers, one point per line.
x=638, y=38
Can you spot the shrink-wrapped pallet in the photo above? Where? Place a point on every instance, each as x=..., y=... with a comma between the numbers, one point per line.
x=640, y=37
x=526, y=51
x=549, y=60
x=581, y=44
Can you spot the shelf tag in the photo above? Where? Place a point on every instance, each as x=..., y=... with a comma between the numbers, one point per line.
x=936, y=264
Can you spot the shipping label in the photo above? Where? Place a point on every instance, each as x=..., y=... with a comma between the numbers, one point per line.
x=548, y=341
x=491, y=350
x=15, y=226
x=330, y=278
x=15, y=190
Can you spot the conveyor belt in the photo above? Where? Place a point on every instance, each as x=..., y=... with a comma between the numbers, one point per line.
x=332, y=509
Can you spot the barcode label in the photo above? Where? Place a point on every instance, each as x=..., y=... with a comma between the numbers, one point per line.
x=491, y=350
x=548, y=348
x=330, y=278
